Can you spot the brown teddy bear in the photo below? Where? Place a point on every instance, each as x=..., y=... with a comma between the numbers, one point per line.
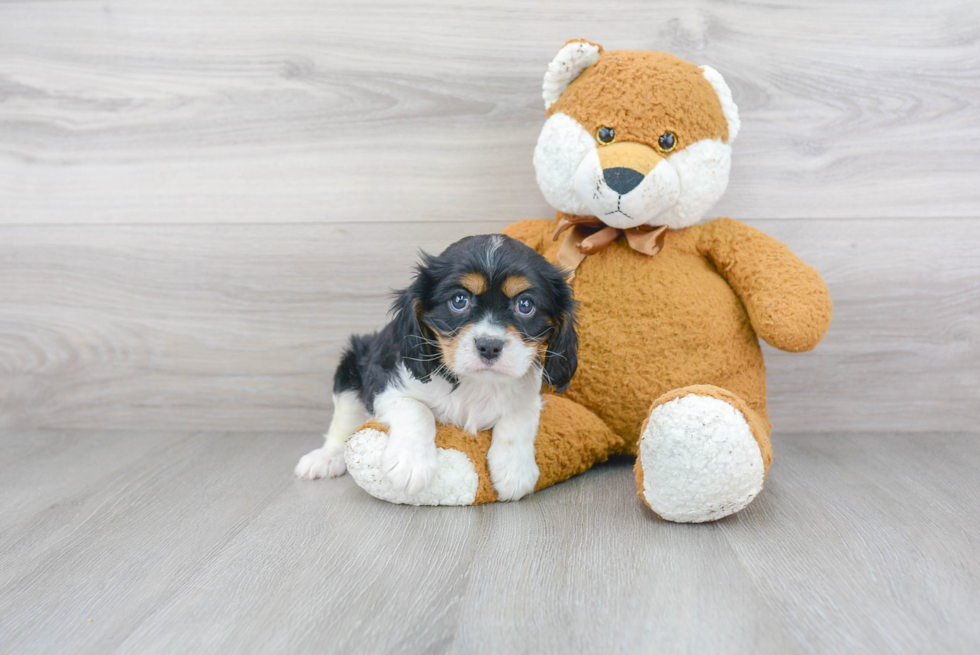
x=636, y=148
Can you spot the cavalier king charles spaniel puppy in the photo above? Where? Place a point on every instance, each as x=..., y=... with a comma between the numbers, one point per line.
x=470, y=343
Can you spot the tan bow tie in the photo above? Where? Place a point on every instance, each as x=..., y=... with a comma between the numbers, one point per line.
x=589, y=235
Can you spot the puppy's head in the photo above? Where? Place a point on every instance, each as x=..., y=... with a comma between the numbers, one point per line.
x=488, y=306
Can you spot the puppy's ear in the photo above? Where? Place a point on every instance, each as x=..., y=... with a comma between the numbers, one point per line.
x=561, y=358
x=417, y=346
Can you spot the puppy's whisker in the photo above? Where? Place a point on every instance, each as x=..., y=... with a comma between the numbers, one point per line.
x=434, y=344
x=552, y=353
x=441, y=369
x=434, y=358
x=544, y=373
x=450, y=333
x=431, y=342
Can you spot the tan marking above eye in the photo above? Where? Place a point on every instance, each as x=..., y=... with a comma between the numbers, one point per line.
x=516, y=284
x=475, y=283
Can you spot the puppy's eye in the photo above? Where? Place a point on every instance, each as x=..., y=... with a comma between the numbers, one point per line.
x=525, y=307
x=605, y=135
x=667, y=141
x=460, y=302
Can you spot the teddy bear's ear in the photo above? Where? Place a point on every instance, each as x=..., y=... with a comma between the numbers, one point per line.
x=574, y=57
x=725, y=96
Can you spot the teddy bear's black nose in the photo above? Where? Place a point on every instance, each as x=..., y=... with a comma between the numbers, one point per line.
x=622, y=180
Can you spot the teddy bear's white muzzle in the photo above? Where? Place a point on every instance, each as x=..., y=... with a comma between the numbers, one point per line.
x=622, y=197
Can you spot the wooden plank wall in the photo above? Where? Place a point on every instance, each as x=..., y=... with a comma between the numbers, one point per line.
x=199, y=201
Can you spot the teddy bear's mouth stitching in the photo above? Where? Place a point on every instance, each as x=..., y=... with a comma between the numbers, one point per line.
x=618, y=210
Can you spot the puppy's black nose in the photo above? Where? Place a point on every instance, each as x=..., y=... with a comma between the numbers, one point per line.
x=622, y=180
x=489, y=348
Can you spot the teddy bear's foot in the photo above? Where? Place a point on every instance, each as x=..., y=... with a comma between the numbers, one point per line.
x=456, y=481
x=699, y=458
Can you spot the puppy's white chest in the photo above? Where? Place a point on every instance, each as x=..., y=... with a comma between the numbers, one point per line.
x=479, y=404
x=475, y=406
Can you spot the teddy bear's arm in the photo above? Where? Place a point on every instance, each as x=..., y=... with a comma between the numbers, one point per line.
x=534, y=232
x=787, y=301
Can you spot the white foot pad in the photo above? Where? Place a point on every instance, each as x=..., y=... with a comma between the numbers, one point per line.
x=326, y=462
x=456, y=480
x=700, y=461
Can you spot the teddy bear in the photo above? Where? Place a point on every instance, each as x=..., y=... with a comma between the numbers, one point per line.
x=635, y=149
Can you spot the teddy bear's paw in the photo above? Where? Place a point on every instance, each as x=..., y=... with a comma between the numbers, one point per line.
x=326, y=462
x=512, y=472
x=455, y=481
x=699, y=460
x=409, y=466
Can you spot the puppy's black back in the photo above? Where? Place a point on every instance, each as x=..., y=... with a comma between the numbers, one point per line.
x=368, y=364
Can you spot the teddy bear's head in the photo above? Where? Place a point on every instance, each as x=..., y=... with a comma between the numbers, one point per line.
x=634, y=137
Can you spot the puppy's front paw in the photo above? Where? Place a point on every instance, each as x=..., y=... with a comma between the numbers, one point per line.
x=409, y=467
x=321, y=463
x=513, y=473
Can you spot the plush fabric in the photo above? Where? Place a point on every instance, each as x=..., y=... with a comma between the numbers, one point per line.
x=570, y=440
x=686, y=316
x=670, y=366
x=698, y=459
x=658, y=93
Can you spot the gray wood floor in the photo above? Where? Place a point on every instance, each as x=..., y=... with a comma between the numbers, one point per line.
x=145, y=542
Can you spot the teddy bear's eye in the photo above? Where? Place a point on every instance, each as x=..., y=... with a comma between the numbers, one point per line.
x=605, y=135
x=667, y=141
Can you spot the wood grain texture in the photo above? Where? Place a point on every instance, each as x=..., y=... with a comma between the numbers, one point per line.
x=120, y=546
x=903, y=350
x=313, y=111
x=881, y=521
x=27, y=460
x=228, y=326
x=860, y=544
x=199, y=201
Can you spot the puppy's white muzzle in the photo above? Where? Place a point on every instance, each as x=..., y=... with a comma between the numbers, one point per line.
x=513, y=360
x=623, y=196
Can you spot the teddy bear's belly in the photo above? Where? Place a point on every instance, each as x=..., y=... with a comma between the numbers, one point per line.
x=648, y=325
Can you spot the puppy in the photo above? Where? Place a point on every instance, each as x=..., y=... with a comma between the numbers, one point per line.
x=471, y=341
